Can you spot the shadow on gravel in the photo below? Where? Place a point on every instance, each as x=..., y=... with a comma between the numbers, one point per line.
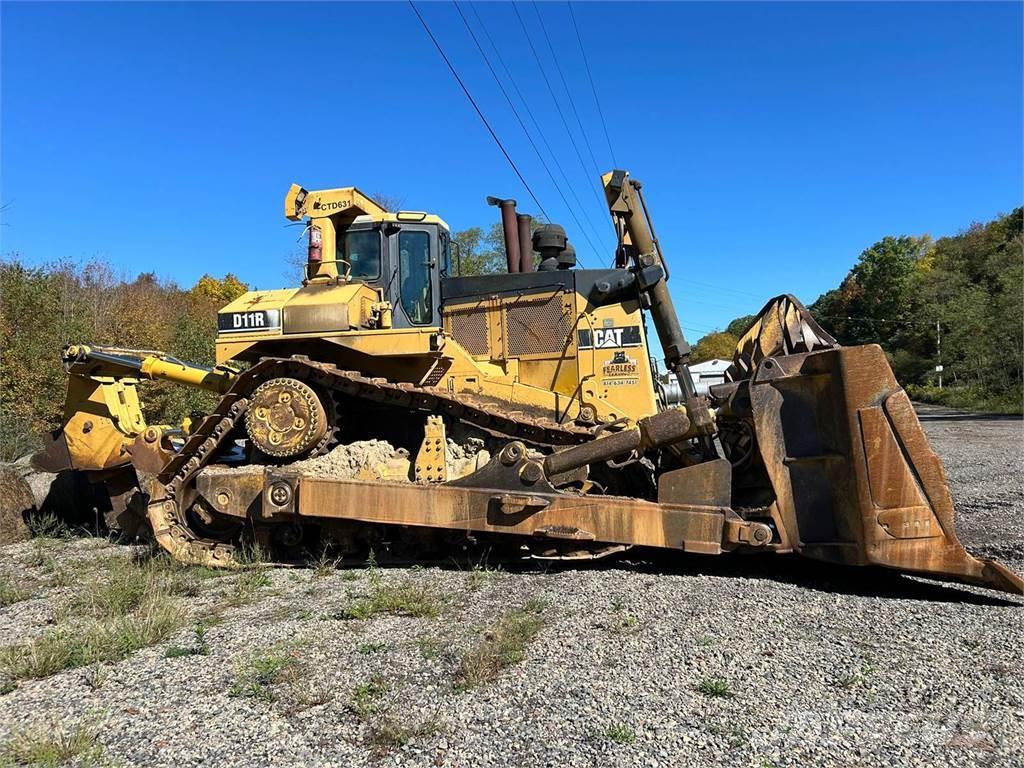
x=960, y=416
x=801, y=572
x=809, y=574
x=821, y=577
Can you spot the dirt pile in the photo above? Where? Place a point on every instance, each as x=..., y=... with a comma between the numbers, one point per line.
x=345, y=462
x=373, y=459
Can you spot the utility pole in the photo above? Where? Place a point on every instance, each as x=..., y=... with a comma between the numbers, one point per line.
x=938, y=350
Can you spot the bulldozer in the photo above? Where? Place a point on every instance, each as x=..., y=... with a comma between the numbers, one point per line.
x=808, y=448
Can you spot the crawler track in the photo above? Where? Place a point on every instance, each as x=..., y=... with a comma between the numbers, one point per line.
x=172, y=494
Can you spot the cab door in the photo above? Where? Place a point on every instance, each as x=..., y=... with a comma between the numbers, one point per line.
x=414, y=290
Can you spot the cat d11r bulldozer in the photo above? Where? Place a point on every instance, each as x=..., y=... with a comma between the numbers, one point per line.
x=517, y=409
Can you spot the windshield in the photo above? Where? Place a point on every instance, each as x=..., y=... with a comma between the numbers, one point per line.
x=359, y=254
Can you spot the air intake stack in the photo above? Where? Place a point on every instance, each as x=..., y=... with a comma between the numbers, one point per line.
x=554, y=248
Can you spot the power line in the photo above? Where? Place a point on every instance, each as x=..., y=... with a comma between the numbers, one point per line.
x=579, y=155
x=876, y=320
x=547, y=82
x=472, y=101
x=533, y=119
x=565, y=85
x=593, y=88
x=522, y=125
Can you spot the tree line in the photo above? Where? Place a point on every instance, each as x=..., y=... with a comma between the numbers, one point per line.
x=955, y=302
x=44, y=307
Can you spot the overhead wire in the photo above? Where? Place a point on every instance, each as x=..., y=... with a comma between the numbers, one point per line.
x=533, y=120
x=479, y=112
x=522, y=125
x=565, y=85
x=551, y=91
x=593, y=88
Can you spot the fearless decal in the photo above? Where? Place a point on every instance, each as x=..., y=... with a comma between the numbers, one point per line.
x=253, y=320
x=620, y=371
x=620, y=365
x=609, y=338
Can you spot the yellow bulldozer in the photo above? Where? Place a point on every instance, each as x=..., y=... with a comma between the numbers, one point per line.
x=517, y=410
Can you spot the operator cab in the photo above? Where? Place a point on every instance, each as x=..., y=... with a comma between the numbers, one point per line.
x=405, y=259
x=403, y=254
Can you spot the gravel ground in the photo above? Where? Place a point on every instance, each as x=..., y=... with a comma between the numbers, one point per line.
x=739, y=662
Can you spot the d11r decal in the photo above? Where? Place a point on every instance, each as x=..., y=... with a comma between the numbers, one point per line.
x=252, y=320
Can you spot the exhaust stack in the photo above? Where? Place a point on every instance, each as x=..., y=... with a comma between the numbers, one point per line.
x=525, y=242
x=510, y=229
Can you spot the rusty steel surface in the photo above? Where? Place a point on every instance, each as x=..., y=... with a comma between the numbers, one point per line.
x=528, y=512
x=855, y=479
x=783, y=327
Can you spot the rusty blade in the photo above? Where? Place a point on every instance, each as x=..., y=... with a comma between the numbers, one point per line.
x=854, y=475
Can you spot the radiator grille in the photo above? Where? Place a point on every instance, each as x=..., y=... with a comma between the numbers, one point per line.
x=537, y=327
x=469, y=328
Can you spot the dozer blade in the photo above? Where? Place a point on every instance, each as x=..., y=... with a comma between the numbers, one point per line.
x=855, y=478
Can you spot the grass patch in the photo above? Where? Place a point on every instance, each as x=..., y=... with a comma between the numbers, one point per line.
x=126, y=585
x=40, y=557
x=366, y=697
x=47, y=525
x=256, y=677
x=386, y=732
x=325, y=565
x=856, y=678
x=247, y=587
x=199, y=647
x=968, y=398
x=393, y=599
x=127, y=605
x=94, y=641
x=50, y=746
x=251, y=554
x=734, y=735
x=12, y=591
x=480, y=576
x=715, y=687
x=368, y=648
x=620, y=733
x=627, y=623
x=430, y=647
x=501, y=646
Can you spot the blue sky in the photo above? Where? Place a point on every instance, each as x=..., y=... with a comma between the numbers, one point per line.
x=775, y=141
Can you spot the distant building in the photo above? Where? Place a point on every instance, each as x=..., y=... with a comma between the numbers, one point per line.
x=708, y=373
x=704, y=375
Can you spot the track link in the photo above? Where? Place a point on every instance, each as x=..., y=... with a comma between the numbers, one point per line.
x=168, y=499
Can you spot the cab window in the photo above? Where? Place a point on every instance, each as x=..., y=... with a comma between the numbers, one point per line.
x=359, y=254
x=414, y=273
x=446, y=253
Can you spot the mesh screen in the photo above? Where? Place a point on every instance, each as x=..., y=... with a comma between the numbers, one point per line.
x=536, y=327
x=469, y=328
